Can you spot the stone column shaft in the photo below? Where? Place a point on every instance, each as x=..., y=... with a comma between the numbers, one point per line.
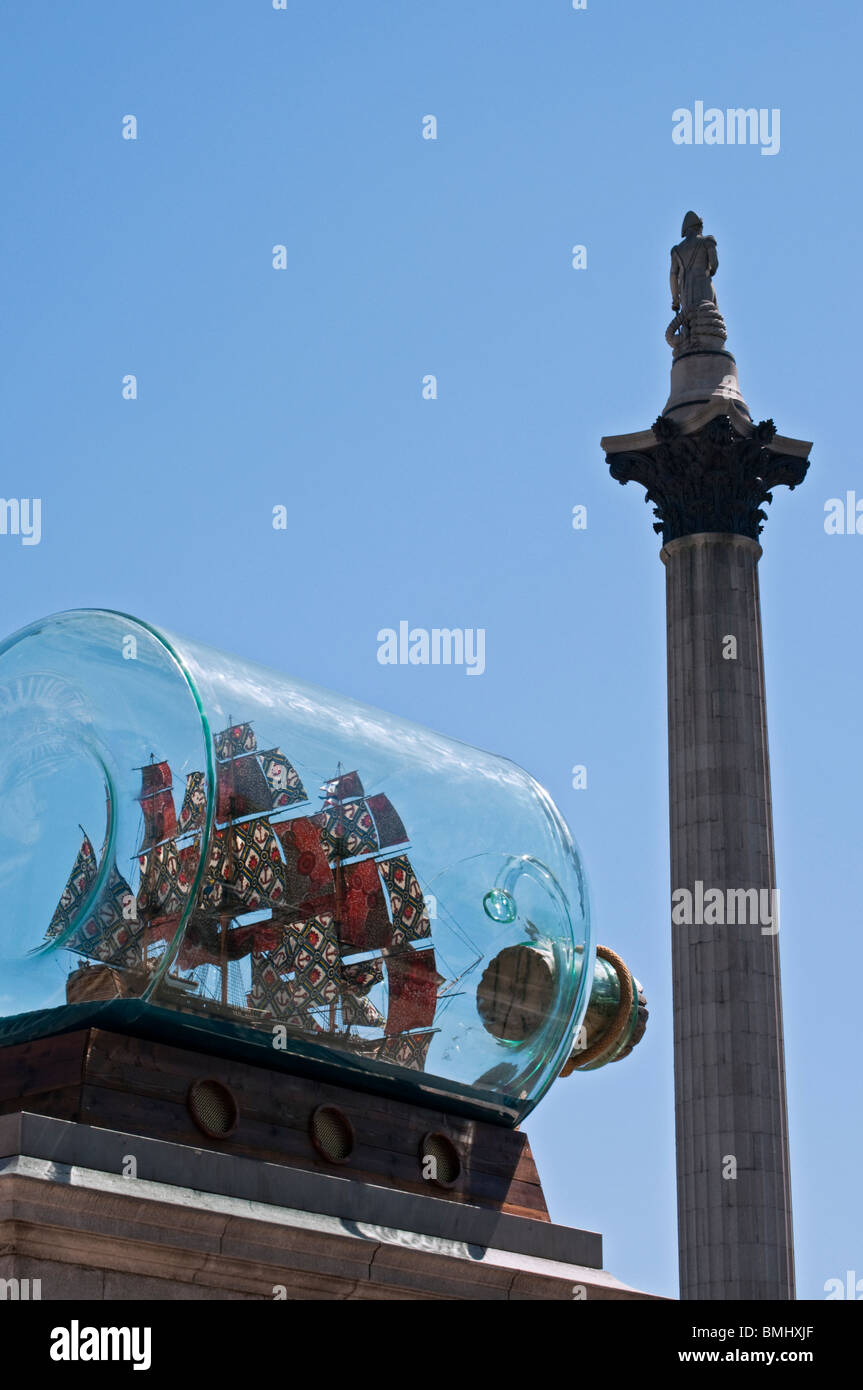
x=730, y=1107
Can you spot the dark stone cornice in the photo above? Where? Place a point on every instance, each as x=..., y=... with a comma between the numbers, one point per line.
x=715, y=479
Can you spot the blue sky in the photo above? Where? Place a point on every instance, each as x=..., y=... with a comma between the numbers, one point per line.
x=302, y=387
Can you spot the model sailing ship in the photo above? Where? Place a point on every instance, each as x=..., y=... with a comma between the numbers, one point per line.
x=336, y=906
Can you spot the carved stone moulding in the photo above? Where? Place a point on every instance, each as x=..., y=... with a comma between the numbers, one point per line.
x=701, y=377
x=714, y=478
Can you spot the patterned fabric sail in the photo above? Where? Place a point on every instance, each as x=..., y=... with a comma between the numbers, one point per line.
x=410, y=916
x=313, y=948
x=308, y=876
x=357, y=980
x=251, y=783
x=114, y=934
x=309, y=949
x=361, y=1013
x=167, y=874
x=387, y=820
x=270, y=997
x=286, y=788
x=364, y=923
x=413, y=986
x=157, y=804
x=347, y=785
x=348, y=829
x=245, y=872
x=194, y=809
x=78, y=885
x=241, y=789
x=409, y=1050
x=361, y=976
x=233, y=742
x=355, y=824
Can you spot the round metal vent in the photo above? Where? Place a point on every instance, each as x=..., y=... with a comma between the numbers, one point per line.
x=332, y=1133
x=439, y=1160
x=213, y=1108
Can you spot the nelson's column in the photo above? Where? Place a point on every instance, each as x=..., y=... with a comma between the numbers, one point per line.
x=708, y=468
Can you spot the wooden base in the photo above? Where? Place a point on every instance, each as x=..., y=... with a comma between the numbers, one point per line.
x=119, y=1082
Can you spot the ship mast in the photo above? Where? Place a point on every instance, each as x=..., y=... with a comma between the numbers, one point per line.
x=337, y=879
x=226, y=918
x=152, y=832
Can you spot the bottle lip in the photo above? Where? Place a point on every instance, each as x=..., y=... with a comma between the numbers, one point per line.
x=210, y=815
x=33, y=630
x=103, y=868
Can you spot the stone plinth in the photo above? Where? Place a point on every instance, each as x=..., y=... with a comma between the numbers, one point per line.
x=704, y=378
x=198, y=1225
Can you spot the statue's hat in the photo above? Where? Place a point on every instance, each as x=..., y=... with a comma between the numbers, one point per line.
x=691, y=223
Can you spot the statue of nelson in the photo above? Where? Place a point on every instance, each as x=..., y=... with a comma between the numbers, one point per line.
x=693, y=265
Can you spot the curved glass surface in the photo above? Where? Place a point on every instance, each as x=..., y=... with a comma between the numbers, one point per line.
x=228, y=843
